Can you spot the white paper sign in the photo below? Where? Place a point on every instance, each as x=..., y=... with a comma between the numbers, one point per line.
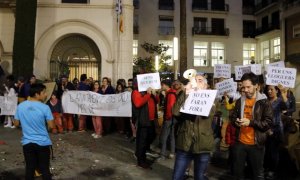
x=275, y=64
x=148, y=80
x=284, y=76
x=222, y=70
x=91, y=103
x=228, y=86
x=199, y=102
x=8, y=105
x=256, y=69
x=240, y=71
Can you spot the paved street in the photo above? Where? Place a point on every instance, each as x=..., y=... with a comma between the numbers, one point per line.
x=79, y=156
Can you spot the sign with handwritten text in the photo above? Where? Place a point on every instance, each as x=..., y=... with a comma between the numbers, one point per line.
x=240, y=71
x=222, y=70
x=148, y=80
x=256, y=68
x=276, y=64
x=94, y=104
x=228, y=86
x=199, y=102
x=284, y=76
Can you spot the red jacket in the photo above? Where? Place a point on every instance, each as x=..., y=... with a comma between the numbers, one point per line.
x=169, y=103
x=139, y=100
x=230, y=136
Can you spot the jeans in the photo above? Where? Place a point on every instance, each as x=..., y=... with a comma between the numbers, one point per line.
x=254, y=155
x=37, y=157
x=182, y=161
x=167, y=130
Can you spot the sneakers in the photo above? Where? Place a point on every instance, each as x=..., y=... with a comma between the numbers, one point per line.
x=81, y=131
x=171, y=156
x=161, y=158
x=8, y=126
x=13, y=127
x=93, y=134
x=97, y=136
x=152, y=154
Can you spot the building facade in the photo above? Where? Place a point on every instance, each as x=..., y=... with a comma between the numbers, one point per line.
x=84, y=34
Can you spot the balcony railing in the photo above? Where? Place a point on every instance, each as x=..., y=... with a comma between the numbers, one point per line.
x=166, y=30
x=210, y=31
x=264, y=4
x=135, y=29
x=249, y=33
x=265, y=29
x=248, y=10
x=166, y=5
x=196, y=6
x=136, y=4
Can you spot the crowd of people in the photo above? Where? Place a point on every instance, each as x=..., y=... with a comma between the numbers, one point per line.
x=251, y=124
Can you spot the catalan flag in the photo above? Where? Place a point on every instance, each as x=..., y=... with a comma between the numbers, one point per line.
x=119, y=11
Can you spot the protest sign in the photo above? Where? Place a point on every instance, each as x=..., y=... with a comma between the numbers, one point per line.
x=49, y=89
x=8, y=105
x=199, y=102
x=222, y=70
x=240, y=71
x=284, y=76
x=227, y=85
x=275, y=64
x=256, y=69
x=94, y=104
x=148, y=80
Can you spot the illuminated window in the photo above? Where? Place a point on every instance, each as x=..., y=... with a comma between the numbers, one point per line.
x=248, y=53
x=276, y=48
x=217, y=53
x=200, y=53
x=265, y=52
x=135, y=48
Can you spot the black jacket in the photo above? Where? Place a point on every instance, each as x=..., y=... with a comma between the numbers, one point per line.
x=262, y=117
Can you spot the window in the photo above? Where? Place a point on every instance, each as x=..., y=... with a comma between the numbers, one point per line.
x=166, y=5
x=169, y=51
x=135, y=48
x=135, y=24
x=276, y=48
x=265, y=52
x=248, y=53
x=75, y=1
x=249, y=28
x=200, y=25
x=200, y=53
x=166, y=25
x=217, y=53
x=200, y=4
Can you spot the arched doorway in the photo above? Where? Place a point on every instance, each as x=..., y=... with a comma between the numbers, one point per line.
x=74, y=55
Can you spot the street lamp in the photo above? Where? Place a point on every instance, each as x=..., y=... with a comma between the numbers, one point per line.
x=175, y=56
x=156, y=63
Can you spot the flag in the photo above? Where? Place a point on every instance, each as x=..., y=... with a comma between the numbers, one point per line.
x=119, y=11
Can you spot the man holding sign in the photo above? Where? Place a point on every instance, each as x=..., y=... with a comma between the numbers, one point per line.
x=252, y=115
x=194, y=137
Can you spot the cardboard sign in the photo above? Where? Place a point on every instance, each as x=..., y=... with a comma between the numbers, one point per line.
x=94, y=104
x=228, y=86
x=222, y=70
x=8, y=105
x=148, y=80
x=199, y=102
x=240, y=71
x=284, y=76
x=256, y=69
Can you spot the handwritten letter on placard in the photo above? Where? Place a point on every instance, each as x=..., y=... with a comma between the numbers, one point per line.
x=284, y=76
x=222, y=70
x=148, y=80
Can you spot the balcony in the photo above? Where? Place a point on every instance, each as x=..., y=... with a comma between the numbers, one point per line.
x=210, y=31
x=196, y=6
x=166, y=30
x=249, y=33
x=268, y=28
x=264, y=4
x=166, y=5
x=135, y=29
x=248, y=10
x=136, y=4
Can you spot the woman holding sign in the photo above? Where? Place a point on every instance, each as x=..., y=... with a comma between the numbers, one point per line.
x=194, y=141
x=97, y=120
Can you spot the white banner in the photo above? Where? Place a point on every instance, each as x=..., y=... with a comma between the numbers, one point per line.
x=222, y=70
x=91, y=103
x=199, y=102
x=148, y=80
x=284, y=76
x=8, y=105
x=240, y=71
x=256, y=69
x=227, y=85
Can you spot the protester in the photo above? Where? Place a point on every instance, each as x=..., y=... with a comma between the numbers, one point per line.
x=252, y=116
x=32, y=80
x=120, y=121
x=20, y=86
x=63, y=86
x=9, y=92
x=97, y=120
x=75, y=83
x=56, y=108
x=83, y=86
x=194, y=141
x=168, y=121
x=36, y=142
x=144, y=113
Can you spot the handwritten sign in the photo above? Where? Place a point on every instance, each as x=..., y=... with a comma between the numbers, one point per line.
x=275, y=64
x=222, y=70
x=284, y=76
x=256, y=69
x=199, y=102
x=91, y=103
x=227, y=85
x=148, y=80
x=8, y=105
x=240, y=71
